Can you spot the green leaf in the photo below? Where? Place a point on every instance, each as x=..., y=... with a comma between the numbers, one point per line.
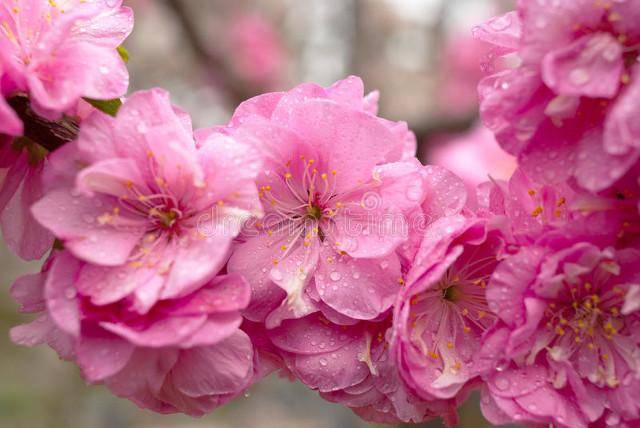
x=109, y=107
x=124, y=53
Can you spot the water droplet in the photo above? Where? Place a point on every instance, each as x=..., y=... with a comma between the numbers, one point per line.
x=579, y=76
x=276, y=274
x=104, y=69
x=356, y=275
x=502, y=383
x=70, y=293
x=335, y=276
x=141, y=128
x=414, y=193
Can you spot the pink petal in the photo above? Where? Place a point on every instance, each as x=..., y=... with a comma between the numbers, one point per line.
x=262, y=105
x=342, y=133
x=43, y=331
x=226, y=293
x=217, y=328
x=10, y=124
x=197, y=260
x=254, y=260
x=102, y=356
x=504, y=31
x=28, y=291
x=60, y=293
x=110, y=177
x=332, y=370
x=622, y=131
x=219, y=369
x=163, y=332
x=357, y=288
x=310, y=335
x=74, y=219
x=591, y=66
x=21, y=232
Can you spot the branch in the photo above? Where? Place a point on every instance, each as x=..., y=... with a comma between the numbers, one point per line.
x=49, y=134
x=236, y=90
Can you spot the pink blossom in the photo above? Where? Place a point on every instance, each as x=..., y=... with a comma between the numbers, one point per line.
x=256, y=49
x=461, y=73
x=184, y=355
x=60, y=51
x=335, y=189
x=474, y=156
x=442, y=313
x=531, y=211
x=152, y=214
x=566, y=109
x=567, y=335
x=351, y=365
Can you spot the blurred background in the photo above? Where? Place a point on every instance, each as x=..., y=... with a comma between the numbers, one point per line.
x=213, y=54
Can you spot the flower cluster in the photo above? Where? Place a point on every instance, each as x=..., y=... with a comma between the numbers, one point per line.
x=304, y=236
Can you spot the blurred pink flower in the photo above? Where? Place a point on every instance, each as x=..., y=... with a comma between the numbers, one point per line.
x=184, y=355
x=567, y=108
x=474, y=156
x=256, y=49
x=154, y=215
x=461, y=72
x=60, y=51
x=569, y=318
x=335, y=192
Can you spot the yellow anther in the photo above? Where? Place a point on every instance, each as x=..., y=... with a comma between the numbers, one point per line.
x=625, y=78
x=283, y=248
x=306, y=243
x=275, y=262
x=270, y=232
x=481, y=314
x=561, y=201
x=605, y=357
x=136, y=264
x=312, y=161
x=220, y=203
x=433, y=355
x=465, y=312
x=531, y=192
x=324, y=176
x=401, y=281
x=450, y=345
x=537, y=211
x=560, y=331
x=466, y=329
x=287, y=175
x=614, y=16
x=334, y=172
x=587, y=286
